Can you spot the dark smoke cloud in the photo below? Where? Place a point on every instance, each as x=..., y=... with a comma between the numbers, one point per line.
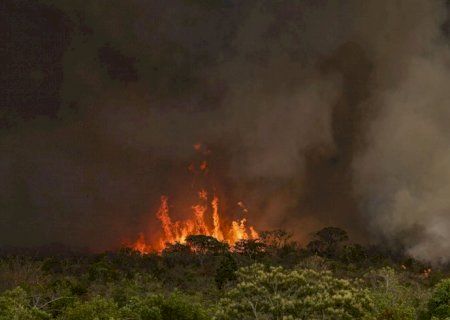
x=317, y=112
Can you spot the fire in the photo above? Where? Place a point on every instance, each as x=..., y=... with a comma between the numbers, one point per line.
x=140, y=244
x=217, y=232
x=163, y=216
x=198, y=146
x=206, y=219
x=177, y=232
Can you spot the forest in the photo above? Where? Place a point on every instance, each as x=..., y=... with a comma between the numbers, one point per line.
x=272, y=277
x=239, y=116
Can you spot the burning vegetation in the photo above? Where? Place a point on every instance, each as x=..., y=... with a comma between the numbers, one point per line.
x=205, y=218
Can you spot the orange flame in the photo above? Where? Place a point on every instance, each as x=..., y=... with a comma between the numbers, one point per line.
x=253, y=233
x=206, y=220
x=198, y=146
x=178, y=231
x=163, y=216
x=204, y=166
x=241, y=204
x=141, y=246
x=217, y=233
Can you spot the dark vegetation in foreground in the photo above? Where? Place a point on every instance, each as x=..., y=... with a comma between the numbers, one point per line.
x=269, y=278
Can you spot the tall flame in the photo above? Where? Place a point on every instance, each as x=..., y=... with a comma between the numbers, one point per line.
x=178, y=231
x=217, y=233
x=163, y=216
x=206, y=219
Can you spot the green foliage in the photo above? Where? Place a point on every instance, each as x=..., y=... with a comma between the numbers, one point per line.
x=14, y=305
x=157, y=307
x=121, y=291
x=439, y=303
x=353, y=253
x=276, y=293
x=393, y=300
x=328, y=241
x=95, y=309
x=126, y=285
x=226, y=271
x=103, y=271
x=21, y=271
x=314, y=262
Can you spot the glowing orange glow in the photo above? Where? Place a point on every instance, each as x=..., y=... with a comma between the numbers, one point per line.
x=253, y=233
x=217, y=233
x=200, y=224
x=205, y=219
x=204, y=166
x=201, y=148
x=238, y=230
x=163, y=216
x=180, y=230
x=241, y=204
x=140, y=244
x=426, y=272
x=203, y=195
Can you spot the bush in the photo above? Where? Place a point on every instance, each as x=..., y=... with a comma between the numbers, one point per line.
x=393, y=299
x=439, y=303
x=157, y=307
x=14, y=305
x=276, y=293
x=226, y=271
x=95, y=309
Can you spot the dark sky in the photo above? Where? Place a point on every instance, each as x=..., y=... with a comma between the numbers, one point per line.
x=101, y=102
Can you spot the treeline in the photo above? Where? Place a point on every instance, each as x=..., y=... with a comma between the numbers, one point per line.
x=272, y=277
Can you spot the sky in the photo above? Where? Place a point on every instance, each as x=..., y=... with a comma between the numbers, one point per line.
x=316, y=113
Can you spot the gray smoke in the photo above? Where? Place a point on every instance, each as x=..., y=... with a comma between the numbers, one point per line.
x=403, y=173
x=317, y=112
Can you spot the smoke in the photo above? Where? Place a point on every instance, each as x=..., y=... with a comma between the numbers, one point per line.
x=402, y=174
x=317, y=112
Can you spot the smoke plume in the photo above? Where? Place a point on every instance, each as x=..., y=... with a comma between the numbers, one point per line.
x=316, y=112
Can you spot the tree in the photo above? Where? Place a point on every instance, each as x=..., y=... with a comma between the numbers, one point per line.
x=14, y=305
x=226, y=271
x=157, y=307
x=332, y=235
x=328, y=241
x=276, y=239
x=252, y=248
x=392, y=300
x=177, y=254
x=174, y=248
x=275, y=293
x=439, y=303
x=206, y=245
x=95, y=309
x=353, y=253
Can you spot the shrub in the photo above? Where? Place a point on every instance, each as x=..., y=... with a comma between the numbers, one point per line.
x=157, y=307
x=393, y=299
x=95, y=309
x=226, y=271
x=439, y=303
x=276, y=293
x=14, y=306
